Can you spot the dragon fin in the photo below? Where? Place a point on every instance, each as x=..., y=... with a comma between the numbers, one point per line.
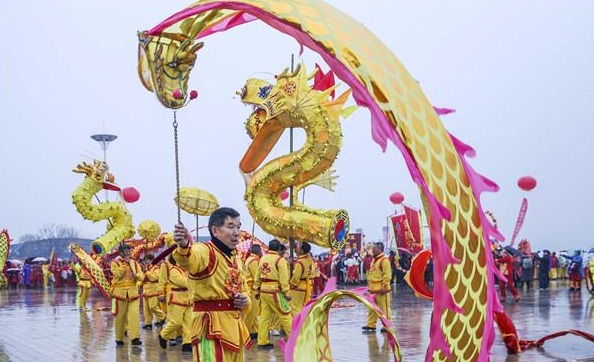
x=335, y=106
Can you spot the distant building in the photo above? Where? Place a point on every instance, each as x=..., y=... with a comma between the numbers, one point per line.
x=44, y=248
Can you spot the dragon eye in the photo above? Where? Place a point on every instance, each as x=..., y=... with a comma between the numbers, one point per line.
x=264, y=91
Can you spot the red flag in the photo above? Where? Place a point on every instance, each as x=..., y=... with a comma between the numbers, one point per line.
x=520, y=221
x=399, y=230
x=413, y=217
x=323, y=81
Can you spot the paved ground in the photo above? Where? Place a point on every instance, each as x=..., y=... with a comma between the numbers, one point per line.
x=46, y=326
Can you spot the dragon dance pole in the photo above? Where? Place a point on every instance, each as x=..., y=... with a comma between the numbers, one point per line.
x=291, y=241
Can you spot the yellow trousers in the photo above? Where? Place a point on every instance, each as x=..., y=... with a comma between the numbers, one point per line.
x=127, y=316
x=275, y=322
x=270, y=308
x=179, y=320
x=152, y=307
x=553, y=274
x=383, y=302
x=251, y=319
x=297, y=301
x=83, y=296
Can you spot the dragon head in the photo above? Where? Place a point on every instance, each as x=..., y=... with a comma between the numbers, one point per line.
x=276, y=107
x=164, y=65
x=98, y=171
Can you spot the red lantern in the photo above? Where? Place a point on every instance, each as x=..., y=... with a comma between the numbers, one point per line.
x=284, y=195
x=397, y=198
x=527, y=183
x=130, y=194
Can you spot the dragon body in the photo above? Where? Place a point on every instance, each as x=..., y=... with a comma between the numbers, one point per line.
x=4, y=249
x=92, y=267
x=462, y=324
x=291, y=102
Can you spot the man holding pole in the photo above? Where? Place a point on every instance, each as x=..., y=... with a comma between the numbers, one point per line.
x=218, y=287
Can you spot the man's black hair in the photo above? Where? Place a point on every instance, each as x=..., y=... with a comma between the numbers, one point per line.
x=274, y=245
x=305, y=247
x=380, y=246
x=256, y=249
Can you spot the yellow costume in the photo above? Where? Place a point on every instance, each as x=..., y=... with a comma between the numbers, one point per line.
x=301, y=283
x=84, y=285
x=46, y=275
x=179, y=314
x=151, y=291
x=125, y=297
x=164, y=283
x=218, y=329
x=272, y=282
x=378, y=283
x=251, y=268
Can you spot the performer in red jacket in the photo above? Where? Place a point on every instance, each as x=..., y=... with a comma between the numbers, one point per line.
x=505, y=263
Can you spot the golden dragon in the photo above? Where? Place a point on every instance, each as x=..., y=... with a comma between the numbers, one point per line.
x=291, y=102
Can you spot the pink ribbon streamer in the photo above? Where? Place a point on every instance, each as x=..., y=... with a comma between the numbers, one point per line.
x=520, y=221
x=443, y=111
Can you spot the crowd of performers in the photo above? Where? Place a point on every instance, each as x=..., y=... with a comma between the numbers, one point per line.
x=214, y=300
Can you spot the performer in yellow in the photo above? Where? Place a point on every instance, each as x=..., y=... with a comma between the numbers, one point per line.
x=378, y=283
x=45, y=269
x=151, y=291
x=84, y=285
x=179, y=313
x=219, y=290
x=127, y=277
x=301, y=279
x=164, y=285
x=272, y=284
x=251, y=268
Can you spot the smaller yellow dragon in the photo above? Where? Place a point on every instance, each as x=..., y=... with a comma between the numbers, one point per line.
x=120, y=226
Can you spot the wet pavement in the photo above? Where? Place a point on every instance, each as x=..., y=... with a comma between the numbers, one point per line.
x=37, y=325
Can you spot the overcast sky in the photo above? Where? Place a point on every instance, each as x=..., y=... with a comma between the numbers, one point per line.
x=519, y=74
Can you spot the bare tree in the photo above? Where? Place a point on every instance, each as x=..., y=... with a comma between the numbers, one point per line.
x=50, y=232
x=55, y=231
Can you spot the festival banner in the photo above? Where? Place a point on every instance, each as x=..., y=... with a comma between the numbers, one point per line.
x=399, y=227
x=354, y=241
x=413, y=217
x=520, y=221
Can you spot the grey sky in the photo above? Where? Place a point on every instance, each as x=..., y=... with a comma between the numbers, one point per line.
x=519, y=75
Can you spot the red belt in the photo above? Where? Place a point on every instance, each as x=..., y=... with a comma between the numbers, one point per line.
x=216, y=305
x=179, y=289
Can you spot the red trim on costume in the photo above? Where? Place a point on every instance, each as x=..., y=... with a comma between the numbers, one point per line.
x=210, y=268
x=218, y=338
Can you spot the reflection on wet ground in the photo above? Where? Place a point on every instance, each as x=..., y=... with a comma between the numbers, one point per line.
x=46, y=326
